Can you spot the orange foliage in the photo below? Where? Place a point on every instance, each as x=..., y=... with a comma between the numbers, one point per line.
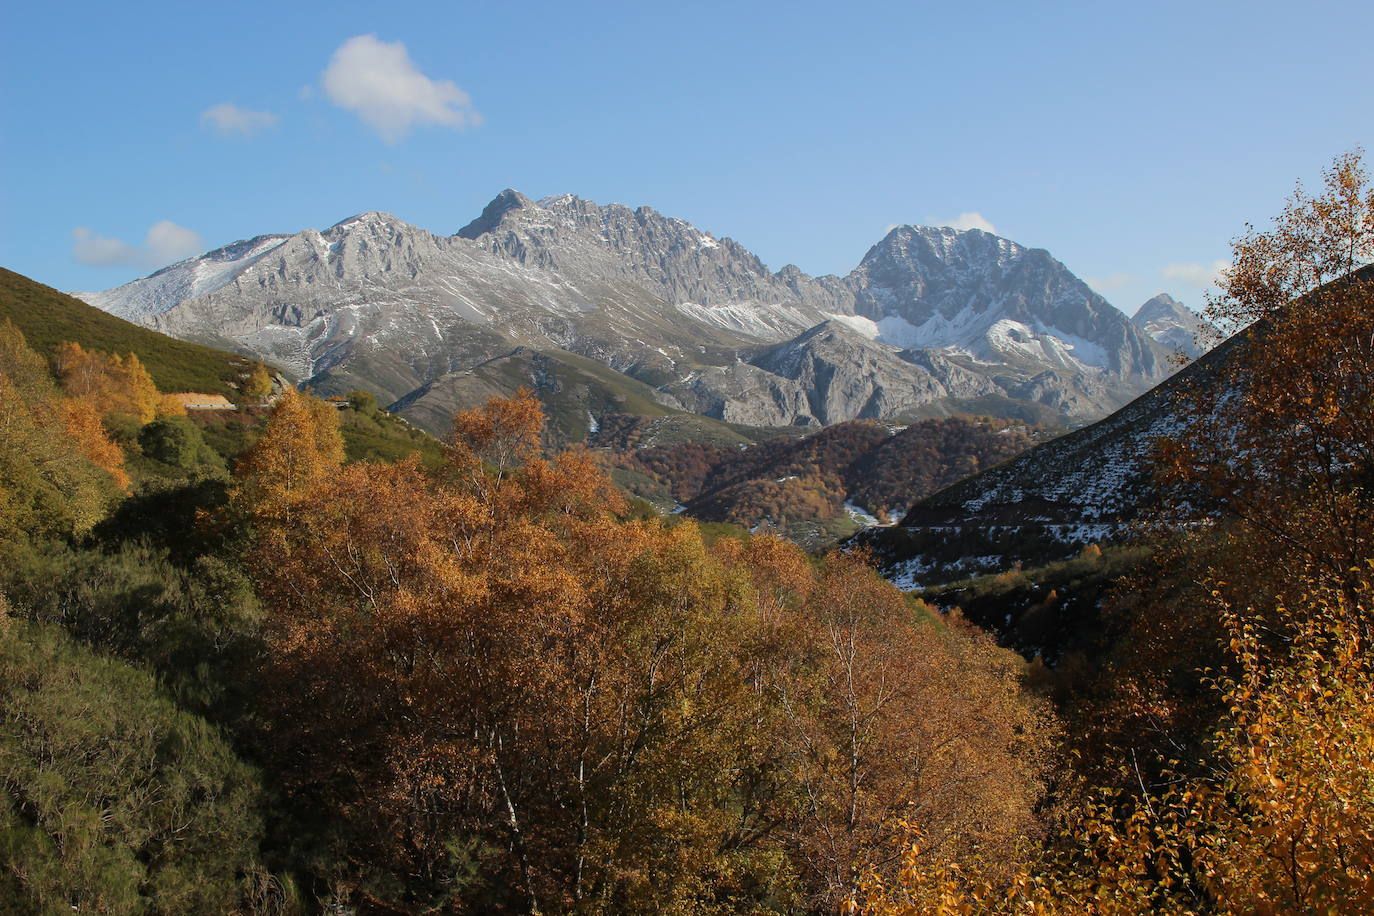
x=1283, y=436
x=170, y=406
x=111, y=384
x=83, y=425
x=600, y=713
x=299, y=449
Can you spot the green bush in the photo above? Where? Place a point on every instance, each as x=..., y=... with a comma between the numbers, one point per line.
x=363, y=402
x=178, y=442
x=114, y=801
x=196, y=626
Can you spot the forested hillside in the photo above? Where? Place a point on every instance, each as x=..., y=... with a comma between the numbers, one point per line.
x=818, y=488
x=466, y=679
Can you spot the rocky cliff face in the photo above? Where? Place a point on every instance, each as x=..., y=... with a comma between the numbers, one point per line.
x=929, y=315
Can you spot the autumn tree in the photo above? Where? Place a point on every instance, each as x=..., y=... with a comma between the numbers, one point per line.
x=890, y=719
x=258, y=384
x=115, y=386
x=498, y=688
x=299, y=448
x=1282, y=821
x=82, y=424
x=58, y=471
x=1280, y=434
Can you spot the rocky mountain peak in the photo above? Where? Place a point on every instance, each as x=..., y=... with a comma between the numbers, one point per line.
x=1161, y=305
x=374, y=302
x=508, y=200
x=1174, y=325
x=368, y=220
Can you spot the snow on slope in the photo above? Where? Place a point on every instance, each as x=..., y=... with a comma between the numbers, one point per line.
x=189, y=279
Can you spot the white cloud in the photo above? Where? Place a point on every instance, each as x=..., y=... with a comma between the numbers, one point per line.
x=965, y=221
x=1194, y=274
x=99, y=251
x=165, y=242
x=378, y=82
x=1111, y=282
x=227, y=119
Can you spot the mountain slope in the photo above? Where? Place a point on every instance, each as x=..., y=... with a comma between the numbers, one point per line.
x=928, y=316
x=819, y=487
x=47, y=317
x=1085, y=487
x=995, y=301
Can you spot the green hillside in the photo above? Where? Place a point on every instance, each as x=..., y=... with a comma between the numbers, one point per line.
x=47, y=317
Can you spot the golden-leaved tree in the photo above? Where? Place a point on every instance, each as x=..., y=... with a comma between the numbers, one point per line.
x=1280, y=436
x=113, y=385
x=299, y=448
x=58, y=469
x=258, y=384
x=493, y=693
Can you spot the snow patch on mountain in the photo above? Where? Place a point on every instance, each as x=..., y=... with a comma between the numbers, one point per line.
x=766, y=321
x=865, y=326
x=188, y=279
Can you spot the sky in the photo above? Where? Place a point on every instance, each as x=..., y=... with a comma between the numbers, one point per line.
x=1133, y=141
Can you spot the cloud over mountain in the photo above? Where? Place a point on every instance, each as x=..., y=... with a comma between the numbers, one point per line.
x=965, y=221
x=377, y=81
x=164, y=243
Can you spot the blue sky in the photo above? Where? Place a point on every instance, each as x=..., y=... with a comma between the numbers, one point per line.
x=1132, y=141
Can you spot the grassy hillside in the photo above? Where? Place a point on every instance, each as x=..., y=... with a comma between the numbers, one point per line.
x=47, y=317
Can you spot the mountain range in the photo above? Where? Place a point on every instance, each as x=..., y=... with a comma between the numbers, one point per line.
x=603, y=305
